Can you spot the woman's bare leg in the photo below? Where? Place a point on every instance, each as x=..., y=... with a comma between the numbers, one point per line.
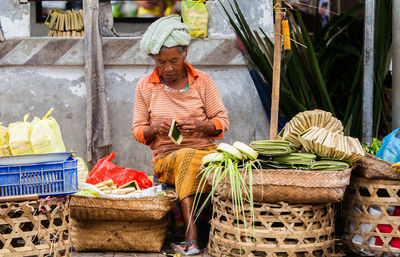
x=186, y=205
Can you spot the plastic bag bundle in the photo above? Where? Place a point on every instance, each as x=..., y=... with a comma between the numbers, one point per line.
x=390, y=149
x=195, y=15
x=105, y=169
x=46, y=135
x=4, y=138
x=20, y=133
x=53, y=124
x=42, y=138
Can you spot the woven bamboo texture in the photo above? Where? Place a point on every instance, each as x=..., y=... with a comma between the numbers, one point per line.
x=133, y=209
x=35, y=228
x=279, y=230
x=134, y=236
x=294, y=186
x=380, y=195
x=375, y=168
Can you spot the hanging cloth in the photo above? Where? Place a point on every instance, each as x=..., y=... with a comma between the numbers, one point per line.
x=98, y=130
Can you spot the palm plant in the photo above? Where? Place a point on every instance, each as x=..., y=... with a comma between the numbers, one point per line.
x=324, y=72
x=382, y=58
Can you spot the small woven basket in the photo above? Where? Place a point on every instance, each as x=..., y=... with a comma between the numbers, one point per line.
x=294, y=186
x=368, y=204
x=35, y=228
x=279, y=230
x=132, y=236
x=132, y=209
x=375, y=168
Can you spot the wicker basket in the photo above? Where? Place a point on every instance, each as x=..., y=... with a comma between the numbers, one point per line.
x=35, y=228
x=280, y=230
x=133, y=236
x=294, y=186
x=369, y=203
x=133, y=209
x=375, y=168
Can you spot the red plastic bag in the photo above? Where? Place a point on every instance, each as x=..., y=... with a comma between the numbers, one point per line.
x=105, y=169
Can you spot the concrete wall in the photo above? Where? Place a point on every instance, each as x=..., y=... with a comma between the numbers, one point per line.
x=14, y=19
x=39, y=73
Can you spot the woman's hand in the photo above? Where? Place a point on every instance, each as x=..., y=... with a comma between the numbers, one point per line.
x=190, y=126
x=162, y=127
x=159, y=128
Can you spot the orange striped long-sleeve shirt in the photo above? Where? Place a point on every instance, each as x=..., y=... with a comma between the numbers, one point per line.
x=154, y=103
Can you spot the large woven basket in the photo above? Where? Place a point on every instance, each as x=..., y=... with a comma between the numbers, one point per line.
x=35, y=228
x=375, y=168
x=132, y=236
x=368, y=203
x=133, y=209
x=279, y=230
x=294, y=186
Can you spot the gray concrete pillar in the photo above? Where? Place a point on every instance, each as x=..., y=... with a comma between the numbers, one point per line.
x=396, y=65
x=368, y=79
x=15, y=19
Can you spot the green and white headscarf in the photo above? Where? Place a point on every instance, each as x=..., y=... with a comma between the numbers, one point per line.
x=167, y=31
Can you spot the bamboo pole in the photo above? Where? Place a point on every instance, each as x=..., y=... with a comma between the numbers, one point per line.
x=273, y=125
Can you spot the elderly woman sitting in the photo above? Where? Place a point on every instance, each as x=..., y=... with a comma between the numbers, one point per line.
x=175, y=90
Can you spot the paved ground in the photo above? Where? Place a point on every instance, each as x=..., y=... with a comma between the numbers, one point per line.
x=166, y=249
x=110, y=254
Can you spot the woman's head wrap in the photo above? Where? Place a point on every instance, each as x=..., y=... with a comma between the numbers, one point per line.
x=167, y=31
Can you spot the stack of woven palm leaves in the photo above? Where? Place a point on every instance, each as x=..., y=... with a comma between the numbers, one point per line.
x=319, y=133
x=65, y=23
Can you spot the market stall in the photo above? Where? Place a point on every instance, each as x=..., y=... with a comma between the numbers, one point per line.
x=270, y=197
x=275, y=196
x=37, y=177
x=47, y=208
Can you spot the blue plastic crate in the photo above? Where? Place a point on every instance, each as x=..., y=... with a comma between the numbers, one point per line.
x=44, y=179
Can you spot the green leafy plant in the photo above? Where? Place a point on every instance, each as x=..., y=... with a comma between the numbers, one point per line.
x=233, y=163
x=373, y=148
x=323, y=72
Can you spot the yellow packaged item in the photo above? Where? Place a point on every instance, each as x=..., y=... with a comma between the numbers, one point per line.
x=20, y=133
x=195, y=15
x=396, y=167
x=83, y=171
x=4, y=138
x=155, y=11
x=286, y=35
x=46, y=135
x=87, y=192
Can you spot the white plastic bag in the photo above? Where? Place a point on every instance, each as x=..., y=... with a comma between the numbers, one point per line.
x=4, y=139
x=46, y=135
x=20, y=133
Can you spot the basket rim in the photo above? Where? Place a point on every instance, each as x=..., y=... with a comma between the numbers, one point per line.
x=280, y=204
x=308, y=171
x=131, y=204
x=173, y=196
x=370, y=156
x=373, y=181
x=300, y=178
